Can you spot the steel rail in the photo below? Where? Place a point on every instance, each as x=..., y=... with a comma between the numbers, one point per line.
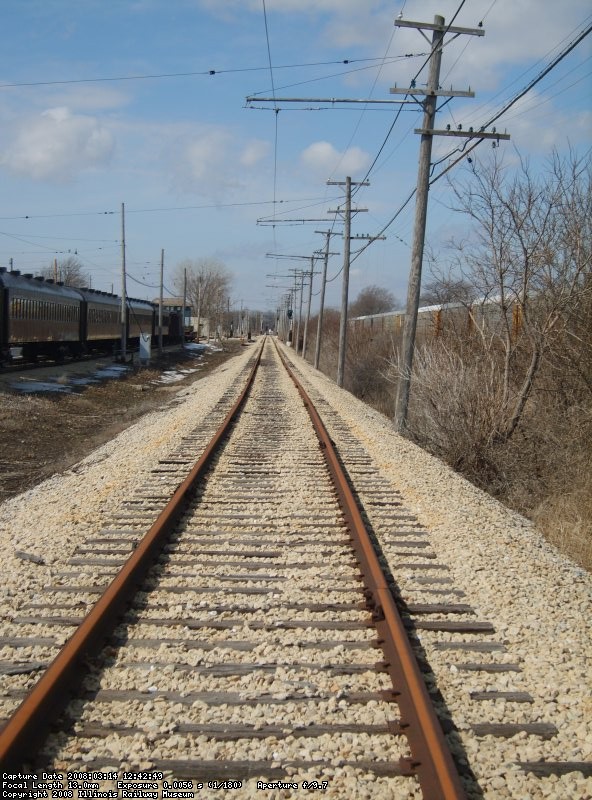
x=431, y=759
x=33, y=718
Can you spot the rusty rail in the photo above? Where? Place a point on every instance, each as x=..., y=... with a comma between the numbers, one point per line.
x=431, y=759
x=30, y=723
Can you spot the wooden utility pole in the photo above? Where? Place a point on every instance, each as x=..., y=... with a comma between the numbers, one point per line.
x=160, y=302
x=345, y=283
x=307, y=318
x=294, y=289
x=123, y=291
x=184, y=304
x=328, y=234
x=427, y=131
x=301, y=292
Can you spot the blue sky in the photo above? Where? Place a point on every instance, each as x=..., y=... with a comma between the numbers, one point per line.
x=197, y=169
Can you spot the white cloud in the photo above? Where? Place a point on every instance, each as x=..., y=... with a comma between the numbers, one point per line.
x=56, y=145
x=87, y=98
x=205, y=155
x=324, y=159
x=208, y=160
x=254, y=152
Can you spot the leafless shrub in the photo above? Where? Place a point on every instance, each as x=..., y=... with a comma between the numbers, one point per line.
x=456, y=406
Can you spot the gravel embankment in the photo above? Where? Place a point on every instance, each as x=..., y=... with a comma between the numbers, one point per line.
x=50, y=520
x=539, y=602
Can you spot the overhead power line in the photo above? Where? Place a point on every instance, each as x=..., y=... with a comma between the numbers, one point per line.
x=191, y=74
x=492, y=119
x=170, y=208
x=551, y=65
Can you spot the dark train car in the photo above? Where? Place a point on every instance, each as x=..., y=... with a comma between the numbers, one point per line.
x=175, y=329
x=171, y=326
x=141, y=316
x=41, y=318
x=38, y=317
x=101, y=319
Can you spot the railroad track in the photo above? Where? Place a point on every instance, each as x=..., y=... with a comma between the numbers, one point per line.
x=237, y=639
x=252, y=634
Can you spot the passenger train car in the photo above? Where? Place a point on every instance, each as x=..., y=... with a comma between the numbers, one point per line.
x=41, y=318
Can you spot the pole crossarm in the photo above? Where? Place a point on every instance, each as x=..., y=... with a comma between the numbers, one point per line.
x=331, y=100
x=344, y=183
x=468, y=134
x=266, y=221
x=282, y=255
x=434, y=26
x=412, y=90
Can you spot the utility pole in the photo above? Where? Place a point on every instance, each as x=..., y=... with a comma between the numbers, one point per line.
x=427, y=131
x=184, y=304
x=328, y=234
x=123, y=292
x=345, y=284
x=160, y=302
x=300, y=273
x=346, y=259
x=295, y=289
x=312, y=273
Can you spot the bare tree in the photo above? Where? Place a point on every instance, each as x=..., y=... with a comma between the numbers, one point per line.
x=373, y=300
x=208, y=287
x=68, y=271
x=531, y=254
x=447, y=288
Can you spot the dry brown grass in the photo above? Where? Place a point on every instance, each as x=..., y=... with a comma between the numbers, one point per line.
x=543, y=471
x=566, y=521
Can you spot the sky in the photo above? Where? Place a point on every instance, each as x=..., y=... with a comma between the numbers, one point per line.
x=142, y=104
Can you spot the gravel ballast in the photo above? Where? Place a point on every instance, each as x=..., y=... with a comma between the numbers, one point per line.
x=539, y=602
